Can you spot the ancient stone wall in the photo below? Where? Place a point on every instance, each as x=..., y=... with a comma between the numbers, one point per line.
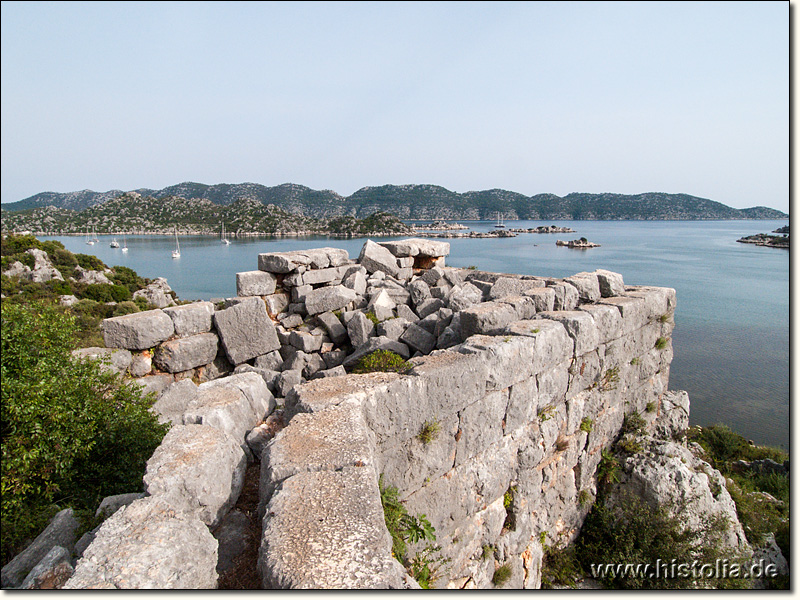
x=519, y=382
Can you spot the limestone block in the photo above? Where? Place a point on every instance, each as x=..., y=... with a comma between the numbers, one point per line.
x=111, y=504
x=607, y=319
x=432, y=276
x=287, y=380
x=552, y=384
x=282, y=262
x=543, y=298
x=59, y=532
x=157, y=293
x=322, y=441
x=137, y=331
x=129, y=551
x=260, y=401
x=419, y=291
x=481, y=425
x=405, y=312
x=512, y=286
x=359, y=329
x=316, y=511
x=117, y=359
x=255, y=283
x=356, y=282
x=633, y=310
x=291, y=321
x=268, y=375
x=487, y=318
x=393, y=328
x=271, y=360
x=327, y=299
x=382, y=306
x=246, y=330
x=300, y=292
x=336, y=371
x=52, y=572
x=451, y=380
x=566, y=295
x=429, y=306
x=377, y=258
x=517, y=357
x=305, y=341
x=611, y=283
x=673, y=414
x=186, y=353
x=276, y=303
x=334, y=358
x=141, y=365
x=405, y=261
x=524, y=306
x=319, y=276
x=587, y=286
x=417, y=247
x=659, y=301
x=419, y=339
x=198, y=470
x=523, y=403
x=464, y=296
x=314, y=363
x=413, y=462
x=154, y=384
x=334, y=327
x=579, y=325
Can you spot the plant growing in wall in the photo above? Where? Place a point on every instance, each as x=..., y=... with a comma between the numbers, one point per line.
x=586, y=424
x=383, y=361
x=661, y=343
x=608, y=469
x=429, y=432
x=609, y=380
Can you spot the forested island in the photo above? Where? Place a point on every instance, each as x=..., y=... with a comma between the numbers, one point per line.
x=765, y=239
x=132, y=213
x=418, y=202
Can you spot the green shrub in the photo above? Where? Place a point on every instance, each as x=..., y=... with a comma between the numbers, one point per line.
x=634, y=361
x=129, y=278
x=371, y=316
x=144, y=304
x=382, y=360
x=502, y=574
x=633, y=423
x=125, y=308
x=661, y=343
x=651, y=407
x=609, y=380
x=587, y=424
x=90, y=262
x=104, y=292
x=560, y=568
x=71, y=432
x=608, y=469
x=634, y=532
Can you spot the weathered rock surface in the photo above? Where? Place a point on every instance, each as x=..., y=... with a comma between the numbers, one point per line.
x=118, y=359
x=149, y=545
x=197, y=470
x=377, y=258
x=328, y=299
x=315, y=511
x=157, y=293
x=255, y=283
x=52, y=572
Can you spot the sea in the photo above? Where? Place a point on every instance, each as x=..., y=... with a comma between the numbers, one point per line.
x=731, y=340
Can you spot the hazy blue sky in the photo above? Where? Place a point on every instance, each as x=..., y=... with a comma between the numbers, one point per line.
x=532, y=97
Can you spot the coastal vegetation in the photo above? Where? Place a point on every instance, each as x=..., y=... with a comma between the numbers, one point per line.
x=93, y=302
x=72, y=431
x=424, y=202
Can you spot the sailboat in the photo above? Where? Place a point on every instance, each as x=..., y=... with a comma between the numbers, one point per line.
x=89, y=240
x=499, y=221
x=94, y=236
x=225, y=240
x=124, y=244
x=114, y=243
x=177, y=252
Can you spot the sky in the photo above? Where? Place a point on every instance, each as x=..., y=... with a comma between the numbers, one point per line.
x=533, y=97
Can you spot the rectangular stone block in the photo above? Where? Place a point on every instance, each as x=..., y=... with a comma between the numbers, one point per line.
x=579, y=325
x=186, y=353
x=481, y=425
x=327, y=299
x=318, y=276
x=487, y=318
x=137, y=331
x=246, y=330
x=255, y=283
x=191, y=319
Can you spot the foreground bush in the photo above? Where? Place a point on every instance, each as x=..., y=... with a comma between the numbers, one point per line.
x=71, y=433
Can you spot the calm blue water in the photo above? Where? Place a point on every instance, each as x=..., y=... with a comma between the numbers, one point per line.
x=731, y=339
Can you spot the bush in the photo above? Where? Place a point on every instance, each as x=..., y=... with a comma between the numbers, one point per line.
x=634, y=532
x=502, y=574
x=125, y=308
x=382, y=361
x=90, y=262
x=71, y=432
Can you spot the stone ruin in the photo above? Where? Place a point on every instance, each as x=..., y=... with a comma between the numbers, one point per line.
x=509, y=368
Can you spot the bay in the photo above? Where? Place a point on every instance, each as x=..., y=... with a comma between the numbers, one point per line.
x=731, y=340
